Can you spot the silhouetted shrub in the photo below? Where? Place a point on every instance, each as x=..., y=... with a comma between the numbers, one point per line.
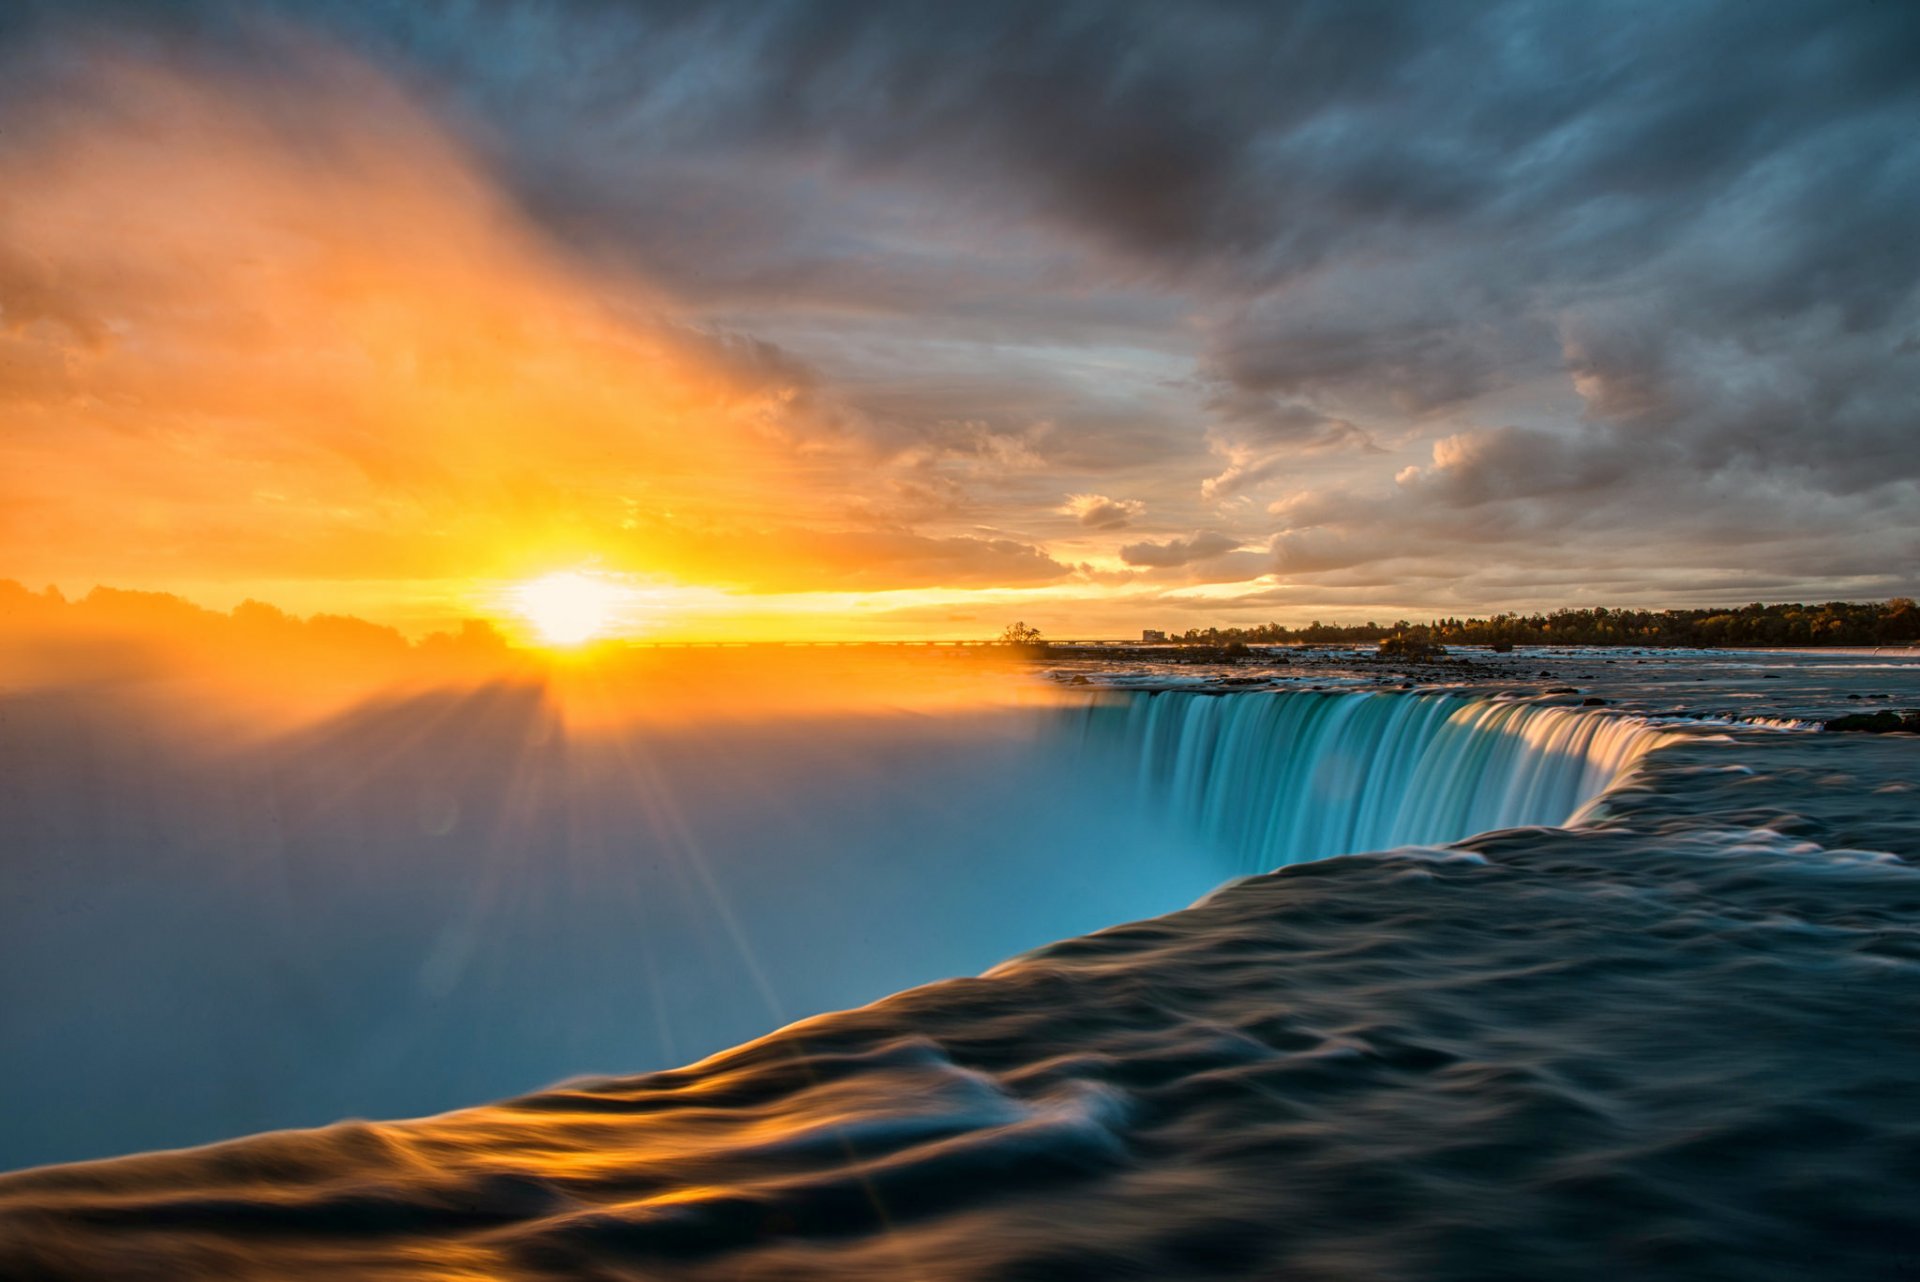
x=1410, y=647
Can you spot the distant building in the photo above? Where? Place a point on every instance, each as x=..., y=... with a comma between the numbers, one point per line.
x=1152, y=634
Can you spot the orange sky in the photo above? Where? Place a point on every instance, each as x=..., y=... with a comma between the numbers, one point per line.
x=314, y=358
x=317, y=359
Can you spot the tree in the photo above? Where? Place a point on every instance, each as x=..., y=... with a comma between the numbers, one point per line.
x=1020, y=634
x=1415, y=645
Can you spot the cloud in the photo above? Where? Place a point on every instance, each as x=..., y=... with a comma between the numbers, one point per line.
x=1509, y=463
x=1203, y=545
x=1408, y=341
x=793, y=559
x=864, y=274
x=1315, y=550
x=1251, y=465
x=1251, y=417
x=1098, y=512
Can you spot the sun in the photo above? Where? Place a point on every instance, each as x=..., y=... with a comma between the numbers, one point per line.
x=570, y=607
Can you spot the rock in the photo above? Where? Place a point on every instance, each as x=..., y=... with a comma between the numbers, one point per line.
x=1885, y=721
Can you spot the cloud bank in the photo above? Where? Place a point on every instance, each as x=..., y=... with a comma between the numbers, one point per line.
x=1441, y=310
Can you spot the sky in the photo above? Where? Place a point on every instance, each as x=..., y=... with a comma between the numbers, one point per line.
x=900, y=319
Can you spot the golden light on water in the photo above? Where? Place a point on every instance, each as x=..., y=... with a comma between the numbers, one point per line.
x=572, y=607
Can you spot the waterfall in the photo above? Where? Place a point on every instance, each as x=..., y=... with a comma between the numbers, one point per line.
x=1284, y=777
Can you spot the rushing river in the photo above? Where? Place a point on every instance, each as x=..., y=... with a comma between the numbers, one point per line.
x=1658, y=1021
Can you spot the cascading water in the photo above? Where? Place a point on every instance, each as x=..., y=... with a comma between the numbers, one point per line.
x=1282, y=778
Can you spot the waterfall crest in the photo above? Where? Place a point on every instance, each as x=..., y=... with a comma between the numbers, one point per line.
x=1286, y=777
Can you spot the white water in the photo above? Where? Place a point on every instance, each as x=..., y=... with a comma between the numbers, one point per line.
x=1287, y=777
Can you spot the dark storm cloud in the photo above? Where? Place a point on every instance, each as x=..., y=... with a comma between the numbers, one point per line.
x=1264, y=138
x=1137, y=122
x=1213, y=240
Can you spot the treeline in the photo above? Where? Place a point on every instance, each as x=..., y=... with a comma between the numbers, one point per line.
x=112, y=632
x=1842, y=623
